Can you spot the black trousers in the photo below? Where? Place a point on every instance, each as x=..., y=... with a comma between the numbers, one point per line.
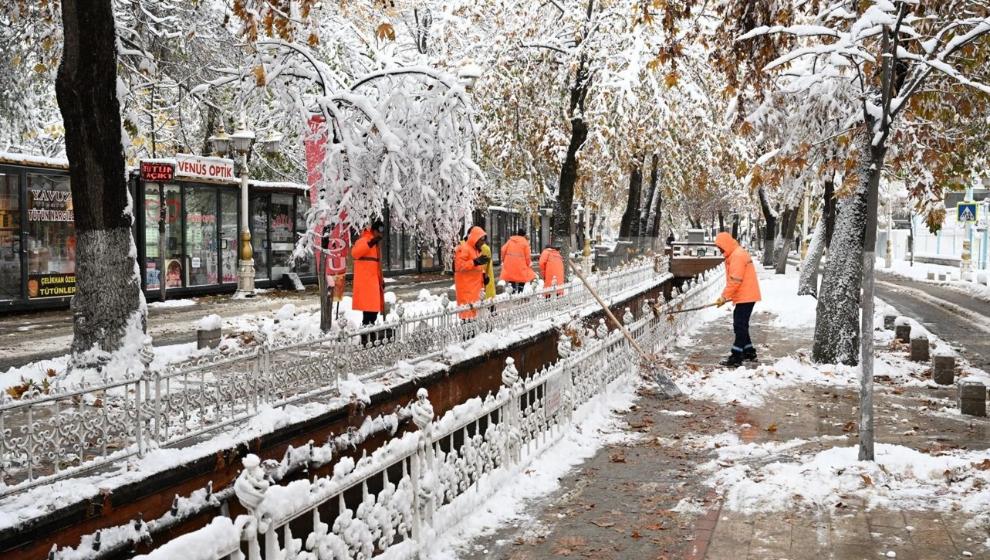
x=517, y=287
x=368, y=318
x=740, y=326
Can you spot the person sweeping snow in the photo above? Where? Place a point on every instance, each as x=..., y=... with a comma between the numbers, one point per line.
x=743, y=289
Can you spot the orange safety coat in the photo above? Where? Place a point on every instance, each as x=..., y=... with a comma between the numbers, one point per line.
x=468, y=277
x=369, y=286
x=517, y=266
x=741, y=285
x=552, y=268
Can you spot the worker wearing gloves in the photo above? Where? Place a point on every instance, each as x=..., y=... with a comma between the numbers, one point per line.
x=469, y=270
x=743, y=289
x=517, y=266
x=369, y=286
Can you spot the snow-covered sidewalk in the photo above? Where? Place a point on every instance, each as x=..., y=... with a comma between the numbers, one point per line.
x=761, y=462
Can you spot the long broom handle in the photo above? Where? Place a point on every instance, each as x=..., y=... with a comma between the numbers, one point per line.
x=691, y=309
x=608, y=312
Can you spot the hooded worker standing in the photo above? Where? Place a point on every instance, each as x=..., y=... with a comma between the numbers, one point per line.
x=517, y=266
x=369, y=285
x=552, y=268
x=469, y=270
x=743, y=289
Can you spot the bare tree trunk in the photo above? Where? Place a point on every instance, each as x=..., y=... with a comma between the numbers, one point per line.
x=651, y=211
x=721, y=221
x=108, y=308
x=828, y=211
x=769, y=228
x=629, y=226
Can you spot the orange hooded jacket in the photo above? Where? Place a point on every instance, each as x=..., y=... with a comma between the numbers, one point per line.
x=469, y=277
x=741, y=285
x=516, y=263
x=369, y=286
x=552, y=267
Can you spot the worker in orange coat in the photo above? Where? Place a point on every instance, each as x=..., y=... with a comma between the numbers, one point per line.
x=517, y=266
x=552, y=268
x=743, y=289
x=369, y=285
x=469, y=270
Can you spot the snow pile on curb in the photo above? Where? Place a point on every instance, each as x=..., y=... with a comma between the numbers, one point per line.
x=901, y=478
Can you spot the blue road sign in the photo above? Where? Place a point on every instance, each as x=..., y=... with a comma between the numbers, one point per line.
x=966, y=212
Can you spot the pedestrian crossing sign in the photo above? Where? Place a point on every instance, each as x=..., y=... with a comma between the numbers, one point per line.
x=966, y=212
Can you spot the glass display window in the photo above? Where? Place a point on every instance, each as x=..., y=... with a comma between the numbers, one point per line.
x=10, y=237
x=201, y=236
x=282, y=235
x=303, y=266
x=394, y=248
x=408, y=251
x=153, y=260
x=228, y=235
x=175, y=266
x=259, y=234
x=51, y=237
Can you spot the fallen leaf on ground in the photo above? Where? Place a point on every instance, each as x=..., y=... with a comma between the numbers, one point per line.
x=617, y=457
x=602, y=524
x=866, y=479
x=984, y=466
x=850, y=426
x=772, y=428
x=635, y=534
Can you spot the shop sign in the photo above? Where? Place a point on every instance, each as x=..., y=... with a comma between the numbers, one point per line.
x=196, y=167
x=157, y=171
x=49, y=205
x=51, y=285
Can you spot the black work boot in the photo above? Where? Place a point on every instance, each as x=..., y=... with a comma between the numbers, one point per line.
x=735, y=359
x=749, y=354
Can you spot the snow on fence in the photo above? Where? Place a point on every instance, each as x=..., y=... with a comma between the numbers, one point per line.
x=74, y=430
x=393, y=503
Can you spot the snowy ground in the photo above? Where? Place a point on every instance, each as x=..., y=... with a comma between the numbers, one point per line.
x=920, y=272
x=777, y=444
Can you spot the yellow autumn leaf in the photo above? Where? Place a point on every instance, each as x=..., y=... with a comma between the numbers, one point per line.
x=259, y=75
x=40, y=68
x=385, y=31
x=670, y=80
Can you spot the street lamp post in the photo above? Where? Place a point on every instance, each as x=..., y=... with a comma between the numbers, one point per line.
x=240, y=142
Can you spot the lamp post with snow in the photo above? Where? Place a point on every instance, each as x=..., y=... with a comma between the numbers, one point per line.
x=241, y=142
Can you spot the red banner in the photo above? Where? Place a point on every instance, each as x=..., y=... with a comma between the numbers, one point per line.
x=340, y=237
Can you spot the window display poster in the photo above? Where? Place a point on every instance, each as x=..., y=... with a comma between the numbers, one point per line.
x=51, y=285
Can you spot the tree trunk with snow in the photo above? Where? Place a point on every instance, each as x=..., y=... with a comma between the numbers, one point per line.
x=837, y=318
x=651, y=210
x=828, y=211
x=769, y=228
x=786, y=239
x=108, y=308
x=629, y=226
x=808, y=281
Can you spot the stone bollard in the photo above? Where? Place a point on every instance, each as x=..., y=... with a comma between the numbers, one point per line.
x=902, y=332
x=208, y=332
x=931, y=275
x=919, y=349
x=972, y=398
x=944, y=369
x=941, y=277
x=888, y=322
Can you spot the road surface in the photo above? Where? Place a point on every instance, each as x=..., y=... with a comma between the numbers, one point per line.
x=959, y=319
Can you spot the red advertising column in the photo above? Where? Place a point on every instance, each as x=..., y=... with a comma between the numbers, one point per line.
x=340, y=236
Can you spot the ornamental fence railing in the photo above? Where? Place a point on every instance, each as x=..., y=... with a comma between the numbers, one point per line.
x=68, y=431
x=397, y=501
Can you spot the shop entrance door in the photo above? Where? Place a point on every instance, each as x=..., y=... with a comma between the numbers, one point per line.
x=10, y=238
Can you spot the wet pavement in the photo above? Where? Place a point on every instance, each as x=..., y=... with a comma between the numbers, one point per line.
x=648, y=499
x=38, y=335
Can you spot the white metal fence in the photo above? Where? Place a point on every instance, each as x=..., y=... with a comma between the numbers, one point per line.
x=392, y=503
x=73, y=430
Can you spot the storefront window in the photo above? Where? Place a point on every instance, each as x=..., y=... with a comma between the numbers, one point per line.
x=51, y=237
x=394, y=248
x=153, y=261
x=10, y=238
x=175, y=267
x=283, y=235
x=201, y=236
x=303, y=266
x=229, y=242
x=408, y=252
x=259, y=234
